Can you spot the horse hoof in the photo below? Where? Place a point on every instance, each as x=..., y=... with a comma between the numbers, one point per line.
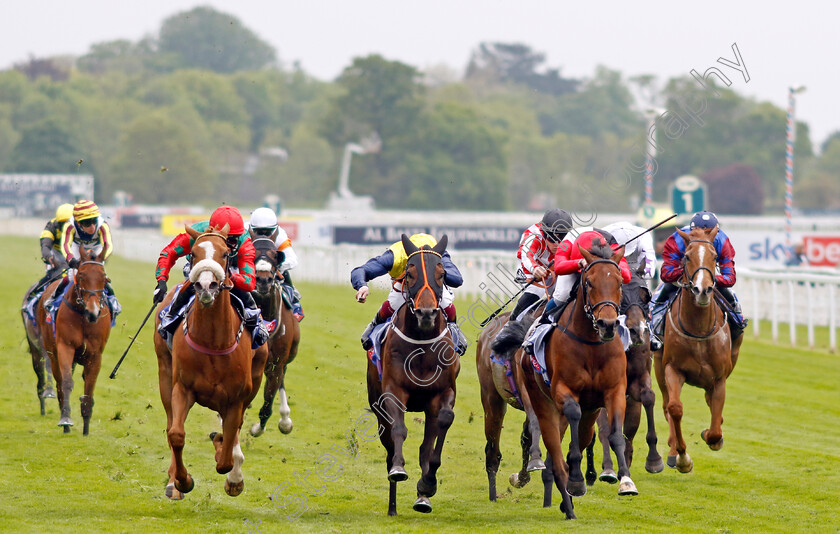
x=627, y=487
x=535, y=465
x=235, y=488
x=185, y=489
x=716, y=446
x=172, y=493
x=672, y=462
x=654, y=466
x=684, y=464
x=48, y=393
x=608, y=476
x=257, y=430
x=518, y=482
x=285, y=427
x=576, y=489
x=213, y=436
x=397, y=474
x=422, y=505
x=65, y=421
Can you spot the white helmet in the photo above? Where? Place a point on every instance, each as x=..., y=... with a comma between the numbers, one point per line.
x=264, y=218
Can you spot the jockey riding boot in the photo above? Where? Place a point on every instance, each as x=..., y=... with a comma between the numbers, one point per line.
x=254, y=323
x=113, y=303
x=367, y=343
x=525, y=301
x=552, y=310
x=458, y=337
x=168, y=325
x=297, y=310
x=58, y=291
x=658, y=307
x=738, y=316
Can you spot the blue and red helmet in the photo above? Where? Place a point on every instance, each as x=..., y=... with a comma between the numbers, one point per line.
x=703, y=219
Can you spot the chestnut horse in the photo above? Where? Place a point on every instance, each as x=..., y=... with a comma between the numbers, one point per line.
x=697, y=346
x=82, y=327
x=498, y=382
x=283, y=343
x=635, y=298
x=208, y=364
x=419, y=368
x=588, y=370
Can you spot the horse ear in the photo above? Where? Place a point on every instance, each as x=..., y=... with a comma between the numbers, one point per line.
x=588, y=256
x=640, y=270
x=101, y=256
x=714, y=233
x=441, y=245
x=192, y=231
x=618, y=254
x=408, y=246
x=683, y=235
x=225, y=229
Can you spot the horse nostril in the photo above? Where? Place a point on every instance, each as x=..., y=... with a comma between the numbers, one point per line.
x=214, y=285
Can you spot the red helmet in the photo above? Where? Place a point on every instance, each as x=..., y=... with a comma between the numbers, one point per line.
x=230, y=216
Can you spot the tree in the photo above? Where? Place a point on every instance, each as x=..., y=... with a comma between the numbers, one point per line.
x=517, y=63
x=45, y=147
x=735, y=189
x=119, y=55
x=35, y=68
x=204, y=38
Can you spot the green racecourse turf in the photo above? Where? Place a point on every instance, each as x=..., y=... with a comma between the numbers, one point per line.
x=776, y=472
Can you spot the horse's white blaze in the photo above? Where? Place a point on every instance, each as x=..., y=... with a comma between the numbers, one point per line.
x=285, y=423
x=208, y=249
x=263, y=266
x=702, y=274
x=235, y=475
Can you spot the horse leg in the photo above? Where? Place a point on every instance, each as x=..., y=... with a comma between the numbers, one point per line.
x=396, y=414
x=64, y=377
x=677, y=456
x=285, y=423
x=182, y=401
x=653, y=463
x=608, y=474
x=165, y=387
x=548, y=481
x=615, y=401
x=89, y=374
x=535, y=463
x=591, y=475
x=659, y=369
x=272, y=384
x=38, y=366
x=494, y=416
x=518, y=480
x=571, y=410
x=715, y=397
x=427, y=485
x=552, y=430
x=235, y=481
x=632, y=420
x=231, y=423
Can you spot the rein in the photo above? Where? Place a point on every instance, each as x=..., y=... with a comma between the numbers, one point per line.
x=685, y=286
x=426, y=287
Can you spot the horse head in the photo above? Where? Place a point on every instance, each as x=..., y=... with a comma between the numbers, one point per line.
x=423, y=282
x=265, y=263
x=635, y=298
x=699, y=263
x=601, y=287
x=210, y=255
x=89, y=283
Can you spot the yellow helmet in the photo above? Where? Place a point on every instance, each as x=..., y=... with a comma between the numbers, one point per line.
x=85, y=209
x=64, y=212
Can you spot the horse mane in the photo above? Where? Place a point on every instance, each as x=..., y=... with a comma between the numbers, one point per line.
x=601, y=249
x=510, y=338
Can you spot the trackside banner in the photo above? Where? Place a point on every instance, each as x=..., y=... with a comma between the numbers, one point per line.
x=460, y=237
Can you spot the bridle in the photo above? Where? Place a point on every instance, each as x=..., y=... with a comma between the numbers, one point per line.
x=690, y=279
x=81, y=292
x=225, y=256
x=410, y=293
x=589, y=308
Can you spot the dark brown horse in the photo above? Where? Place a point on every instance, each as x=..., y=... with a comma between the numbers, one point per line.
x=635, y=298
x=40, y=360
x=697, y=347
x=283, y=343
x=587, y=368
x=419, y=368
x=498, y=382
x=82, y=327
x=211, y=363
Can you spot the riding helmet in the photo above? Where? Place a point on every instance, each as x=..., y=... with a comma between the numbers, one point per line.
x=555, y=224
x=64, y=212
x=263, y=218
x=230, y=216
x=704, y=219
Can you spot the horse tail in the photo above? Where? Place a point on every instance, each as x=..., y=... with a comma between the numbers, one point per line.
x=510, y=338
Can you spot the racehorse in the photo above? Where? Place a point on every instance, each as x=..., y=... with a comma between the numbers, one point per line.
x=283, y=343
x=82, y=326
x=419, y=368
x=635, y=298
x=208, y=364
x=499, y=382
x=587, y=368
x=697, y=346
x=40, y=359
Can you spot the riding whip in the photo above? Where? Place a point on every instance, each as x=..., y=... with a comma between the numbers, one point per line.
x=114, y=372
x=655, y=226
x=50, y=281
x=498, y=311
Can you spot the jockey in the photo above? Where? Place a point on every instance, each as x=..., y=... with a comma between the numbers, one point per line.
x=641, y=258
x=672, y=270
x=264, y=224
x=240, y=269
x=393, y=262
x=86, y=227
x=568, y=263
x=51, y=246
x=536, y=252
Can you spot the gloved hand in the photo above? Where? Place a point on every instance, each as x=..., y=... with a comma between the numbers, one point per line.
x=160, y=292
x=73, y=263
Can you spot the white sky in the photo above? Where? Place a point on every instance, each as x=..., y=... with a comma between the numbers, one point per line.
x=781, y=43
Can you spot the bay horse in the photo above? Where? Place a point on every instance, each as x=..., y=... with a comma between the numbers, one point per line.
x=40, y=360
x=419, y=368
x=211, y=362
x=284, y=340
x=82, y=327
x=697, y=348
x=635, y=300
x=588, y=370
x=498, y=383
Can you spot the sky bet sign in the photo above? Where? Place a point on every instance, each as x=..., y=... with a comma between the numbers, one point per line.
x=768, y=248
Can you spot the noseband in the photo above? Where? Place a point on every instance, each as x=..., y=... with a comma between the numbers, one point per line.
x=690, y=279
x=225, y=256
x=589, y=308
x=410, y=293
